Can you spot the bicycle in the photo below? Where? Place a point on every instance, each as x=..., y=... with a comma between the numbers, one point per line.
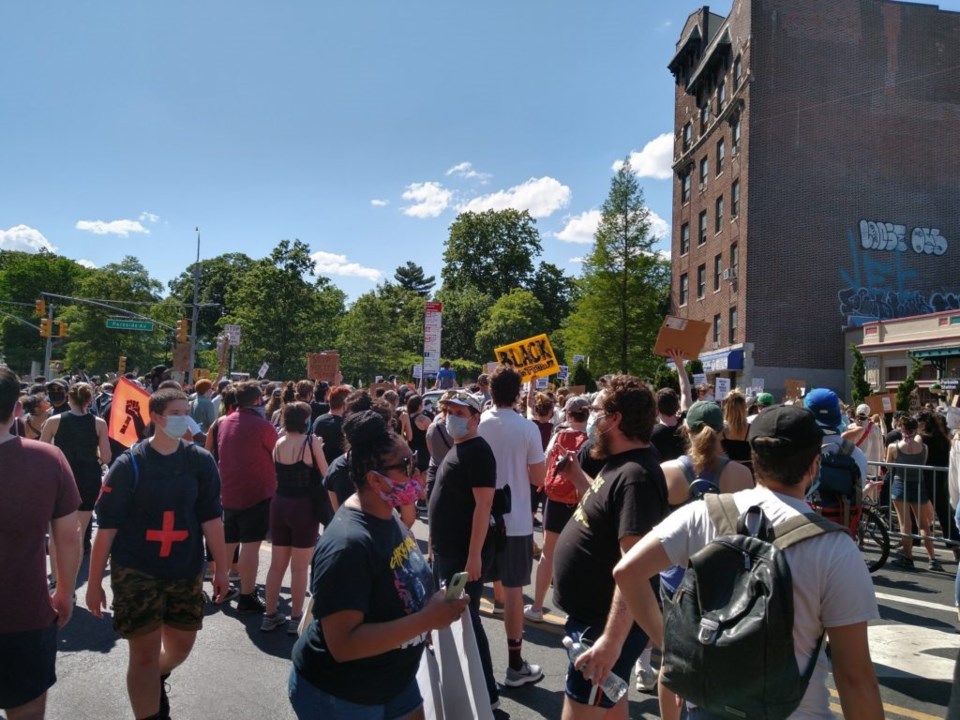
x=868, y=528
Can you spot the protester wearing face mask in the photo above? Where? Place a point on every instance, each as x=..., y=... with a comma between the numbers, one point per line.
x=374, y=600
x=160, y=500
x=245, y=442
x=460, y=513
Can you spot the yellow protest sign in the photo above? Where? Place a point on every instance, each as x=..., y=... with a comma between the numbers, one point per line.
x=531, y=358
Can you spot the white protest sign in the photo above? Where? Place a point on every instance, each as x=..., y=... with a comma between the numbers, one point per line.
x=722, y=388
x=233, y=334
x=758, y=384
x=432, y=320
x=418, y=371
x=541, y=383
x=263, y=370
x=699, y=379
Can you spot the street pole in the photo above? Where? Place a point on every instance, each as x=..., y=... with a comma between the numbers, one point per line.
x=48, y=351
x=194, y=316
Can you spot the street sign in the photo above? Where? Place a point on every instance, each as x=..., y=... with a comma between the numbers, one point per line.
x=233, y=333
x=122, y=324
x=432, y=323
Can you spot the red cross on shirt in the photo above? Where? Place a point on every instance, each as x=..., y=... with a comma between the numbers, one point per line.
x=166, y=535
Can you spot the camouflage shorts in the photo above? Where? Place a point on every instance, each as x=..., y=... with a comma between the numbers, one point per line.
x=142, y=603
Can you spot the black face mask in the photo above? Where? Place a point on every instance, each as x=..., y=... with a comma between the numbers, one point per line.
x=56, y=399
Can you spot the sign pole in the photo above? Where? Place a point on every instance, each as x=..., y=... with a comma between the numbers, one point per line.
x=48, y=349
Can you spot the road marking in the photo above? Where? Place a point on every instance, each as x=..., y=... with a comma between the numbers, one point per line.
x=919, y=603
x=904, y=651
x=894, y=709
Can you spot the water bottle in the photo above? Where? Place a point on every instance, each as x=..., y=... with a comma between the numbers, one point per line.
x=613, y=687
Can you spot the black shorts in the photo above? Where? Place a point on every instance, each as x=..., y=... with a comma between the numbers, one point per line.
x=27, y=665
x=513, y=565
x=250, y=525
x=555, y=515
x=142, y=603
x=89, y=488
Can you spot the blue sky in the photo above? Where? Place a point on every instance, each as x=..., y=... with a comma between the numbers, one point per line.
x=359, y=127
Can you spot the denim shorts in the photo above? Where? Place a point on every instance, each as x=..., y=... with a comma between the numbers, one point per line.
x=581, y=690
x=311, y=703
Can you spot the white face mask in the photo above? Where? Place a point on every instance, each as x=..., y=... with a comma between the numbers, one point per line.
x=176, y=426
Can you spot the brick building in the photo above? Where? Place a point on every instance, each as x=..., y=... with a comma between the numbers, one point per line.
x=817, y=179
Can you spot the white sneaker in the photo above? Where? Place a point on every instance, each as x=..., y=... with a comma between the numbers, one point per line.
x=527, y=674
x=646, y=678
x=531, y=613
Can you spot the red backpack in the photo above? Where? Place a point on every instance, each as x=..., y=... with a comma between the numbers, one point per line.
x=557, y=487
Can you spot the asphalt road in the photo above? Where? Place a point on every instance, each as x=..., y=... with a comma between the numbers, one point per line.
x=237, y=672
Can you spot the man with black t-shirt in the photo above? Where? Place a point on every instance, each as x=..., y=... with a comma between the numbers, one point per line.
x=622, y=504
x=329, y=426
x=667, y=436
x=460, y=513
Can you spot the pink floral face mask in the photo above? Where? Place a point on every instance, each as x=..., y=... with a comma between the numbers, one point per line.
x=405, y=492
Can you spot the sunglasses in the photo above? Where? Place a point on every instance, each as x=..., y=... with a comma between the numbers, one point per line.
x=407, y=464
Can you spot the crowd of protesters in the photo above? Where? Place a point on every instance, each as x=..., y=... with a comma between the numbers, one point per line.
x=334, y=477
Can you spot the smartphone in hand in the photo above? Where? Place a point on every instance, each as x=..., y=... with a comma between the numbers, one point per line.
x=455, y=588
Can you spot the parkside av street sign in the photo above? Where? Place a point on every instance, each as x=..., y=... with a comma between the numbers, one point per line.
x=120, y=324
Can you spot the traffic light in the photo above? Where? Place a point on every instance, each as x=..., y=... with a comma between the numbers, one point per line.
x=183, y=329
x=41, y=307
x=122, y=365
x=64, y=329
x=45, y=327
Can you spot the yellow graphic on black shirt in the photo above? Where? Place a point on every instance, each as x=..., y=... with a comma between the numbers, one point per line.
x=402, y=552
x=579, y=515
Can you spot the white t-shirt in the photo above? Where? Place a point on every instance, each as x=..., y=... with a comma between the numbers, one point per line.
x=872, y=445
x=831, y=585
x=516, y=444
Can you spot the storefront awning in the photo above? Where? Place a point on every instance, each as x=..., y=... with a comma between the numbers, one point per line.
x=719, y=361
x=936, y=353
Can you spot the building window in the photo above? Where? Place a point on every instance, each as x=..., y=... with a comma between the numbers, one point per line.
x=687, y=136
x=702, y=229
x=735, y=199
x=721, y=155
x=737, y=71
x=704, y=171
x=717, y=272
x=716, y=329
x=704, y=115
x=685, y=238
x=735, y=131
x=684, y=289
x=685, y=187
x=718, y=220
x=896, y=374
x=732, y=326
x=734, y=259
x=721, y=96
x=701, y=281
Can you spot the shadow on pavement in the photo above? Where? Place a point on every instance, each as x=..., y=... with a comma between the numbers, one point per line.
x=85, y=632
x=909, y=618
x=904, y=585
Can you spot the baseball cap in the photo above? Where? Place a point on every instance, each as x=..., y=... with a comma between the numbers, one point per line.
x=863, y=410
x=465, y=399
x=765, y=399
x=825, y=406
x=789, y=424
x=704, y=413
x=576, y=404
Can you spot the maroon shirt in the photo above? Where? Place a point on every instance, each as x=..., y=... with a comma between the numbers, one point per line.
x=245, y=443
x=37, y=486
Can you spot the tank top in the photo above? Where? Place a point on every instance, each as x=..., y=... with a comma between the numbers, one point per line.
x=77, y=438
x=738, y=450
x=293, y=479
x=419, y=443
x=902, y=458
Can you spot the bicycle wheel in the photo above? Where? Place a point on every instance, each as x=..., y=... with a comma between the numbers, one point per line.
x=873, y=539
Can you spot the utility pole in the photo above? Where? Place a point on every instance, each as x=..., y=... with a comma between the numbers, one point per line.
x=195, y=314
x=48, y=351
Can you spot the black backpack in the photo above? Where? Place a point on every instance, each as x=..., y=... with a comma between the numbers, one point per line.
x=728, y=630
x=839, y=488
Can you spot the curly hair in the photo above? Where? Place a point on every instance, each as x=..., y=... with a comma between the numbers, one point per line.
x=634, y=400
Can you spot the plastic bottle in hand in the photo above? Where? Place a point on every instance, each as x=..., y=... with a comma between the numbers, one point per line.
x=613, y=687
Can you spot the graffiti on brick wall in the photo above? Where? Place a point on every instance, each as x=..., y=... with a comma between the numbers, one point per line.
x=877, y=286
x=888, y=236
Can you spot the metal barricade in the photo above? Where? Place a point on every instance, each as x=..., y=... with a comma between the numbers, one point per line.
x=922, y=484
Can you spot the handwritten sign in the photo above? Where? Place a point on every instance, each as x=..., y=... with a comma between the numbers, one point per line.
x=722, y=388
x=532, y=358
x=323, y=365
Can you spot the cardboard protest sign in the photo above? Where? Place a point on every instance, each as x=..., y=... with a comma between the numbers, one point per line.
x=881, y=404
x=794, y=389
x=532, y=358
x=323, y=365
x=181, y=356
x=722, y=388
x=681, y=335
x=129, y=413
x=577, y=390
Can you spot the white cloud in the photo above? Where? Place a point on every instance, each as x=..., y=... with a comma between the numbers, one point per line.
x=86, y=263
x=149, y=217
x=541, y=196
x=114, y=227
x=377, y=202
x=575, y=260
x=25, y=239
x=659, y=228
x=580, y=228
x=332, y=264
x=654, y=161
x=465, y=170
x=429, y=199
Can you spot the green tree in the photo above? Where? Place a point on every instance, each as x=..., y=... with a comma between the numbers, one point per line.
x=493, y=251
x=463, y=310
x=556, y=292
x=217, y=276
x=515, y=316
x=23, y=276
x=284, y=311
x=906, y=389
x=858, y=376
x=411, y=277
x=623, y=286
x=366, y=338
x=581, y=376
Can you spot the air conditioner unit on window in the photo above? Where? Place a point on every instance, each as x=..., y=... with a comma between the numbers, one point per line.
x=729, y=274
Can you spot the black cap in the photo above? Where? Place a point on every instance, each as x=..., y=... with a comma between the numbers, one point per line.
x=788, y=424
